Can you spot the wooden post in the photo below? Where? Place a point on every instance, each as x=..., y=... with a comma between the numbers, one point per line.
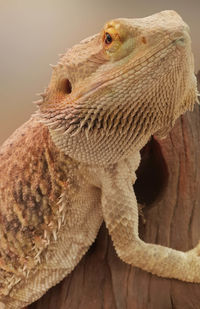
x=170, y=179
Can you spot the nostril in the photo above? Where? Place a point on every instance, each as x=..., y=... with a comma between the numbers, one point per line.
x=180, y=41
x=181, y=35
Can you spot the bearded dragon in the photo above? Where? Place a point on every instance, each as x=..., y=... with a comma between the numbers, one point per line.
x=72, y=165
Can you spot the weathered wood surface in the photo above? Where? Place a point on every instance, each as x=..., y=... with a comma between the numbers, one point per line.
x=102, y=280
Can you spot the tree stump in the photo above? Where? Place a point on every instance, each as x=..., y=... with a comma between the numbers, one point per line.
x=169, y=187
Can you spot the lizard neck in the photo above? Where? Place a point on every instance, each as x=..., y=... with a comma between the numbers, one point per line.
x=98, y=149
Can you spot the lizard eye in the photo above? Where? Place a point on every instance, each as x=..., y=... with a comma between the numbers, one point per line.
x=111, y=39
x=108, y=38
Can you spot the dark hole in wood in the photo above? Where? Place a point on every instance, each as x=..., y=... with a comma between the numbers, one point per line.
x=66, y=86
x=152, y=174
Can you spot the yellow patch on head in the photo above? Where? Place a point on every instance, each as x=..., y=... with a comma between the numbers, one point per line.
x=114, y=37
x=111, y=38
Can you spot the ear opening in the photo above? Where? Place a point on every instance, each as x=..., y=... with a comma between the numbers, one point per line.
x=65, y=86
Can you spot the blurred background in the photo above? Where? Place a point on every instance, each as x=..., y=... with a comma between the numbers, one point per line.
x=33, y=33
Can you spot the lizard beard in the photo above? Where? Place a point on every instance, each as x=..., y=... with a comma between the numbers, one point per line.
x=104, y=139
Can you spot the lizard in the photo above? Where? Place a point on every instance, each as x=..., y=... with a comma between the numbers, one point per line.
x=72, y=165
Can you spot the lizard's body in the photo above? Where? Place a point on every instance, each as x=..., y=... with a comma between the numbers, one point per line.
x=62, y=214
x=72, y=165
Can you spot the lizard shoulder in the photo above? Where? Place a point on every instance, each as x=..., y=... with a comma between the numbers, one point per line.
x=34, y=175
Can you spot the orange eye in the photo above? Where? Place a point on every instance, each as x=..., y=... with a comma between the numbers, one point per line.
x=108, y=39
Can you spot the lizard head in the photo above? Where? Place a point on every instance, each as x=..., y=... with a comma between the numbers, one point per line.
x=111, y=92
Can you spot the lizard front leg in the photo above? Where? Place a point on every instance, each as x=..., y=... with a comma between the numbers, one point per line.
x=120, y=213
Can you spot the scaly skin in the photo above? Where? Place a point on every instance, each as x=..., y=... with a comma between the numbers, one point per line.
x=72, y=165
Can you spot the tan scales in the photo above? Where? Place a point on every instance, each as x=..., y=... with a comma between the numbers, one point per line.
x=72, y=165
